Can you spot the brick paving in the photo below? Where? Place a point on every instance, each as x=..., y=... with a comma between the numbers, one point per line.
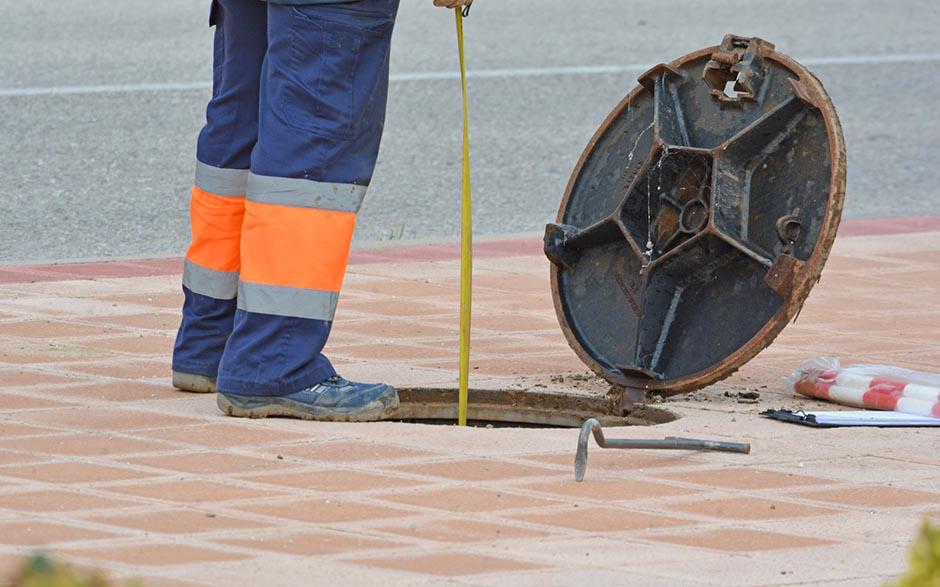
x=103, y=464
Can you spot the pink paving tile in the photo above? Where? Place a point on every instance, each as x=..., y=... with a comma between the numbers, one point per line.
x=182, y=521
x=155, y=554
x=449, y=564
x=172, y=300
x=600, y=519
x=192, y=491
x=747, y=508
x=167, y=321
x=740, y=540
x=104, y=419
x=333, y=480
x=325, y=511
x=22, y=378
x=742, y=478
x=607, y=489
x=455, y=530
x=125, y=369
x=44, y=329
x=71, y=472
x=354, y=451
x=476, y=470
x=223, y=435
x=622, y=462
x=83, y=445
x=310, y=543
x=140, y=344
x=10, y=430
x=209, y=463
x=51, y=501
x=467, y=499
x=37, y=533
x=10, y=401
x=10, y=458
x=878, y=496
x=121, y=391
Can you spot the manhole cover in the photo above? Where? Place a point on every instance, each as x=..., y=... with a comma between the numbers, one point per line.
x=699, y=217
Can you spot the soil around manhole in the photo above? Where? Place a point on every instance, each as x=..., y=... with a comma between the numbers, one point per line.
x=557, y=403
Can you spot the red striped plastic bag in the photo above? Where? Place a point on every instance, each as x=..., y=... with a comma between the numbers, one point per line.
x=874, y=387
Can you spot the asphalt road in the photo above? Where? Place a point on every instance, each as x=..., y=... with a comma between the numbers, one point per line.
x=101, y=101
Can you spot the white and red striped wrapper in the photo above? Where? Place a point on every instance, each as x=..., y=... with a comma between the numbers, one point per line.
x=862, y=389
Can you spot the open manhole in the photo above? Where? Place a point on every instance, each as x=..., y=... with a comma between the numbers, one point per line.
x=532, y=407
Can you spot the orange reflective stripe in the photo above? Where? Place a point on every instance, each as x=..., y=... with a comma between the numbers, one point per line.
x=217, y=225
x=296, y=247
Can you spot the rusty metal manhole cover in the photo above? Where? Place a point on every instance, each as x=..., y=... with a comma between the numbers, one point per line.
x=699, y=217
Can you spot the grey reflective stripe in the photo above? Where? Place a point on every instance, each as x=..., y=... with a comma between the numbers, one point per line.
x=221, y=285
x=287, y=301
x=305, y=193
x=221, y=182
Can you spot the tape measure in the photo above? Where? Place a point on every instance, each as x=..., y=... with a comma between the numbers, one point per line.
x=466, y=239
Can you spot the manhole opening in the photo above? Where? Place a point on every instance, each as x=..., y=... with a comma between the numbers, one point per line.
x=517, y=408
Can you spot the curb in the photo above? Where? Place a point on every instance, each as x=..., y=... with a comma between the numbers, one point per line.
x=487, y=249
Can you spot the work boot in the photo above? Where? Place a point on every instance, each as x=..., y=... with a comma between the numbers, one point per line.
x=334, y=400
x=193, y=383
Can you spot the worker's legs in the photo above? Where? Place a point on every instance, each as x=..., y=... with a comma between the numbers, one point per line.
x=323, y=96
x=217, y=206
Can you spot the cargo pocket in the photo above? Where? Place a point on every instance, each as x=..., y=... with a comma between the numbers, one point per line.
x=334, y=71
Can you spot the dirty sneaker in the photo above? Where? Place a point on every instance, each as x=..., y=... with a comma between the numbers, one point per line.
x=193, y=383
x=336, y=400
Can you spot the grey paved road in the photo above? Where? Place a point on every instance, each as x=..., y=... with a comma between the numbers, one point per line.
x=100, y=103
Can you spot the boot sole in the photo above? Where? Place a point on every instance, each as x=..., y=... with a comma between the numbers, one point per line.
x=193, y=383
x=277, y=407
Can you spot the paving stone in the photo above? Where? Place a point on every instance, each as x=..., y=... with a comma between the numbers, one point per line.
x=333, y=480
x=140, y=345
x=350, y=452
x=116, y=419
x=601, y=519
x=155, y=554
x=311, y=543
x=743, y=478
x=476, y=470
x=83, y=445
x=43, y=329
x=208, y=463
x=193, y=491
x=222, y=435
x=462, y=530
x=125, y=369
x=608, y=489
x=325, y=511
x=123, y=391
x=53, y=500
x=182, y=521
x=878, y=496
x=468, y=499
x=22, y=378
x=747, y=508
x=36, y=533
x=10, y=401
x=72, y=472
x=741, y=540
x=449, y=564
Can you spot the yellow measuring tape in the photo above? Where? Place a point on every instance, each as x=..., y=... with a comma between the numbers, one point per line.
x=466, y=242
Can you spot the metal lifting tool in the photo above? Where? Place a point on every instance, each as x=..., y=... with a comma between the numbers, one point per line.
x=669, y=443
